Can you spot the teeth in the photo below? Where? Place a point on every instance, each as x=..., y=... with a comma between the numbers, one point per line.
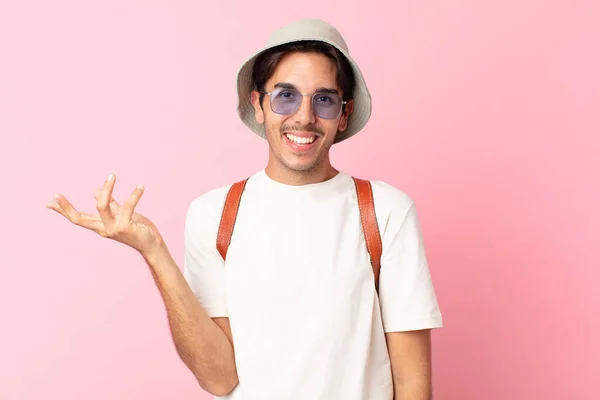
x=300, y=140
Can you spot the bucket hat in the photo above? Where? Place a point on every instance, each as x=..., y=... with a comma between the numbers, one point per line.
x=301, y=30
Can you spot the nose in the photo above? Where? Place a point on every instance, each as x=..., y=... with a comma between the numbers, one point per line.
x=305, y=114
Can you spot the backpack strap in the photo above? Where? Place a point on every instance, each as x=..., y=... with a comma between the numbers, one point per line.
x=228, y=216
x=366, y=208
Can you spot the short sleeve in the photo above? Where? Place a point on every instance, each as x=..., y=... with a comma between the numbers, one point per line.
x=406, y=293
x=204, y=268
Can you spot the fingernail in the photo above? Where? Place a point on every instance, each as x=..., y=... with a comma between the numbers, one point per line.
x=57, y=196
x=140, y=186
x=110, y=177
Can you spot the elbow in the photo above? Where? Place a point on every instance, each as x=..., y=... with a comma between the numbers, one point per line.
x=220, y=389
x=216, y=378
x=218, y=384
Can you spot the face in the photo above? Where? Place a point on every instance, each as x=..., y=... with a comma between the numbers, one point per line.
x=300, y=141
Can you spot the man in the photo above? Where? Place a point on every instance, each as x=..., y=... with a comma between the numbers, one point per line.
x=290, y=308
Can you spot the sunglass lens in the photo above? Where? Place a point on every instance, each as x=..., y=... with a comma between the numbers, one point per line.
x=327, y=105
x=285, y=101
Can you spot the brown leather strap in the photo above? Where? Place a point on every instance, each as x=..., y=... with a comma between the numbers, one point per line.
x=228, y=217
x=366, y=206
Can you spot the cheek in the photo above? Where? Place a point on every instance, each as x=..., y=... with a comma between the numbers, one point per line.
x=331, y=127
x=273, y=122
x=278, y=119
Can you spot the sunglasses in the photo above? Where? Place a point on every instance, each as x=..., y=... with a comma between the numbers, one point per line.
x=286, y=101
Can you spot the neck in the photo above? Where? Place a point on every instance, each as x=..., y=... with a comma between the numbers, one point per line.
x=282, y=174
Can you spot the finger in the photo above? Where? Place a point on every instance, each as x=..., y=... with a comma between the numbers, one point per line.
x=131, y=203
x=103, y=203
x=115, y=207
x=65, y=208
x=62, y=206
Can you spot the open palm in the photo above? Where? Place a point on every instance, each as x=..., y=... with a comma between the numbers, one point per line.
x=114, y=221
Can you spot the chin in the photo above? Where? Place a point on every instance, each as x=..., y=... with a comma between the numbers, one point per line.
x=298, y=166
x=306, y=163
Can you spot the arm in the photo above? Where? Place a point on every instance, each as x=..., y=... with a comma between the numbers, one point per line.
x=410, y=356
x=408, y=302
x=204, y=345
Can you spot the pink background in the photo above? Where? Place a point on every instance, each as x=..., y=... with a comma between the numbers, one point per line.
x=485, y=112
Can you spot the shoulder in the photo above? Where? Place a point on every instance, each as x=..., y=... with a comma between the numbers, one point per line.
x=391, y=199
x=210, y=203
x=206, y=208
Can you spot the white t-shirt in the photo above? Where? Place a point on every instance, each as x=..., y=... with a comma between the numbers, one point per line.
x=298, y=286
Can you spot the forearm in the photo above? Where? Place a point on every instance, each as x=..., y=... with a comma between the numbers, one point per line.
x=200, y=342
x=410, y=356
x=415, y=389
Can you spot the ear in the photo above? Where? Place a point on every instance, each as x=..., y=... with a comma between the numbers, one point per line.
x=345, y=115
x=258, y=111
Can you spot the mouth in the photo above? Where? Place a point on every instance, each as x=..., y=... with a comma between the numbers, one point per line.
x=301, y=141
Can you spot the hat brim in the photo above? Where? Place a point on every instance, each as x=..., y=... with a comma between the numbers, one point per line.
x=362, y=98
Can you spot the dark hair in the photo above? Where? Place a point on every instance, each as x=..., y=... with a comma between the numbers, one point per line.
x=266, y=62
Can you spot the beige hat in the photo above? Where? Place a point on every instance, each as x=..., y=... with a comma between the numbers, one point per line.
x=306, y=29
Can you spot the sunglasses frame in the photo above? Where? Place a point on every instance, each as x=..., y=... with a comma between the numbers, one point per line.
x=342, y=102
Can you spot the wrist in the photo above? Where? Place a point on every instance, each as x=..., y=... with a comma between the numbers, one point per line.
x=157, y=254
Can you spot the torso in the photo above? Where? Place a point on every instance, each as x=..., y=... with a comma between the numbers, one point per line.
x=301, y=297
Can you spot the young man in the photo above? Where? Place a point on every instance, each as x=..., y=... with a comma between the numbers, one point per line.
x=279, y=298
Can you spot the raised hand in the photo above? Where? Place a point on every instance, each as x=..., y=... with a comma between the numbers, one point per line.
x=114, y=221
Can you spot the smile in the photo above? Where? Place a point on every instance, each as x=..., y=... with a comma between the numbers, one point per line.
x=300, y=139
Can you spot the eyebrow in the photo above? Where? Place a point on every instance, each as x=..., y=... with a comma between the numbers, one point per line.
x=286, y=85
